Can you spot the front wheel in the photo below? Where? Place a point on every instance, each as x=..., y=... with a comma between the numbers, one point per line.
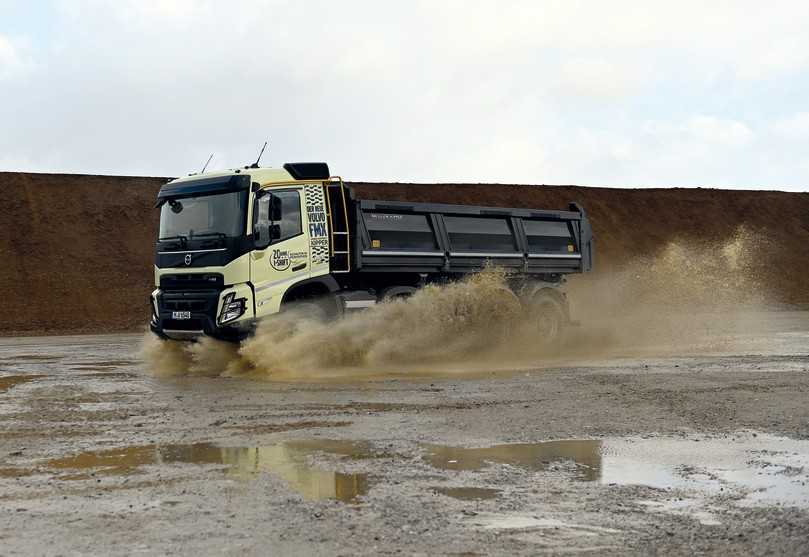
x=314, y=309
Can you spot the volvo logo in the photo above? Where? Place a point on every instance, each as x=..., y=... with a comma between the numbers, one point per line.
x=188, y=259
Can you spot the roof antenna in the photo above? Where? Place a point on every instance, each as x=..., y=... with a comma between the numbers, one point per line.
x=206, y=164
x=255, y=164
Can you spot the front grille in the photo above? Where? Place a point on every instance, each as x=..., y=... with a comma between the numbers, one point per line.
x=200, y=302
x=185, y=305
x=196, y=301
x=192, y=281
x=183, y=324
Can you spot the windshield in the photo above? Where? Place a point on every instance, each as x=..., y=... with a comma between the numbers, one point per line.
x=222, y=214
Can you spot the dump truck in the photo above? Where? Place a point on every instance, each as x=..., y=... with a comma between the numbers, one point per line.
x=237, y=247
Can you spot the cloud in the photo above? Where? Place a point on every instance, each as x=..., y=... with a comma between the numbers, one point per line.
x=731, y=133
x=708, y=130
x=12, y=62
x=794, y=126
x=597, y=78
x=622, y=93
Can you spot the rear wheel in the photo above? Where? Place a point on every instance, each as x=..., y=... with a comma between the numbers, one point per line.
x=548, y=317
x=396, y=293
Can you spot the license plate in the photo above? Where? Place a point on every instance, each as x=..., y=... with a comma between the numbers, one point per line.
x=181, y=315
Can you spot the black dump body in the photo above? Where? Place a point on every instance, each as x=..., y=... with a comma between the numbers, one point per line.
x=436, y=238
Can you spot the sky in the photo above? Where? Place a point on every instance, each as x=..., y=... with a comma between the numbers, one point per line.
x=620, y=93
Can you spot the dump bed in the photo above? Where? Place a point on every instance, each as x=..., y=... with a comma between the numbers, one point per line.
x=425, y=237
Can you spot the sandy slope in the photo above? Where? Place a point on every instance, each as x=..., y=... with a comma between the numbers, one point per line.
x=77, y=250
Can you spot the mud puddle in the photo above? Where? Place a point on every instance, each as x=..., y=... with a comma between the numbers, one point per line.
x=515, y=521
x=288, y=460
x=584, y=455
x=10, y=381
x=748, y=467
x=30, y=358
x=15, y=472
x=753, y=468
x=104, y=364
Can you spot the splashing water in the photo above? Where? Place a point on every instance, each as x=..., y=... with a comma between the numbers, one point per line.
x=684, y=295
x=687, y=294
x=437, y=323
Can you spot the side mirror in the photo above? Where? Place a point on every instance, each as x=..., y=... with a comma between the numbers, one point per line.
x=261, y=222
x=261, y=235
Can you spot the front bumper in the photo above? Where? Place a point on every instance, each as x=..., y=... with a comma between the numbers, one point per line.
x=202, y=310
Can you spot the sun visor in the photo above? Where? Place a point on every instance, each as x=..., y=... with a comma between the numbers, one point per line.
x=204, y=186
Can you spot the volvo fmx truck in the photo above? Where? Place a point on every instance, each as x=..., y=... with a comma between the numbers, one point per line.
x=237, y=247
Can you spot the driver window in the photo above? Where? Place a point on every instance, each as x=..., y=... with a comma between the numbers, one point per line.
x=286, y=213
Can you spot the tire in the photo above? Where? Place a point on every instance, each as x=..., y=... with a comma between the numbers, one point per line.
x=548, y=317
x=396, y=293
x=312, y=309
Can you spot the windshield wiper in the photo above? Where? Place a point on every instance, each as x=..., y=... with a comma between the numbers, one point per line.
x=218, y=238
x=217, y=234
x=183, y=239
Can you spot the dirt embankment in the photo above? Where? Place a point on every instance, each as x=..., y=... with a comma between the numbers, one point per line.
x=77, y=250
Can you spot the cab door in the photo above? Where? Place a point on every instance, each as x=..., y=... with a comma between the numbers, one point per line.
x=281, y=257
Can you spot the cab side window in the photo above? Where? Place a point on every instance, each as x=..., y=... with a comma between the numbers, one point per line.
x=286, y=214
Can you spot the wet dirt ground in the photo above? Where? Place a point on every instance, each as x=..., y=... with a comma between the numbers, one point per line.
x=703, y=451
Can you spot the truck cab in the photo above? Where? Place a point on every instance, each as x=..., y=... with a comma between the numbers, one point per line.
x=232, y=243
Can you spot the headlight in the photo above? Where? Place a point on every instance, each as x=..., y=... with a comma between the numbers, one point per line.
x=231, y=309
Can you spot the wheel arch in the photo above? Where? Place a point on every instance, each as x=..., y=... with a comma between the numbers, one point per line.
x=310, y=288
